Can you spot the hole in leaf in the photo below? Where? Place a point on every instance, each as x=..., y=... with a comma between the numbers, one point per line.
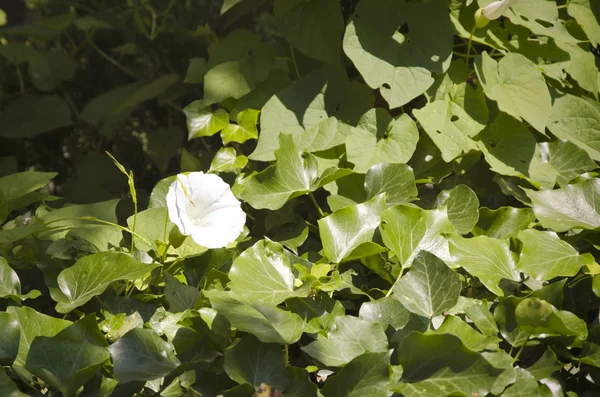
x=404, y=28
x=439, y=132
x=304, y=155
x=525, y=18
x=386, y=86
x=509, y=37
x=492, y=144
x=545, y=24
x=454, y=118
x=337, y=107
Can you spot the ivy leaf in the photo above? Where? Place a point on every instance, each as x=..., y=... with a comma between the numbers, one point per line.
x=546, y=365
x=567, y=159
x=482, y=317
x=577, y=120
x=31, y=325
x=574, y=206
x=72, y=357
x=486, y=258
x=314, y=27
x=6, y=384
x=472, y=339
x=407, y=230
x=237, y=65
x=254, y=362
x=179, y=296
x=302, y=106
x=462, y=206
x=263, y=274
x=449, y=127
x=292, y=176
x=400, y=66
x=587, y=14
x=539, y=317
x=441, y=365
x=91, y=275
x=196, y=70
x=9, y=342
x=227, y=160
x=380, y=139
x=268, y=323
x=518, y=86
x=429, y=288
x=202, y=122
x=503, y=222
x=367, y=375
x=348, y=338
x=142, y=355
x=345, y=230
x=511, y=149
x=10, y=285
x=385, y=311
x=525, y=385
x=300, y=383
x=244, y=130
x=397, y=181
x=545, y=256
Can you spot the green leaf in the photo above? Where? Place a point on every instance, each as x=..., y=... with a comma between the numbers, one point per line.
x=202, y=122
x=268, y=323
x=349, y=337
x=504, y=314
x=482, y=317
x=196, y=70
x=567, y=159
x=314, y=27
x=292, y=176
x=9, y=339
x=587, y=14
x=142, y=355
x=472, y=339
x=380, y=139
x=69, y=359
x=163, y=145
x=400, y=66
x=397, y=181
x=449, y=126
x=6, y=384
x=51, y=112
x=31, y=325
x=486, y=258
x=462, y=206
x=546, y=365
x=574, y=206
x=518, y=86
x=300, y=384
x=503, y=222
x=180, y=297
x=63, y=218
x=577, y=120
x=236, y=67
x=227, y=160
x=367, y=375
x=429, y=288
x=511, y=149
x=539, y=317
x=545, y=256
x=541, y=17
x=385, y=311
x=301, y=107
x=254, y=362
x=263, y=274
x=525, y=385
x=91, y=275
x=245, y=128
x=345, y=230
x=407, y=230
x=9, y=280
x=440, y=365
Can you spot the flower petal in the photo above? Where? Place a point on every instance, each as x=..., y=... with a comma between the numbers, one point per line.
x=495, y=9
x=203, y=207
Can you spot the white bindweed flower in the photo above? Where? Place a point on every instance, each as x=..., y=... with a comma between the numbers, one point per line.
x=494, y=10
x=203, y=207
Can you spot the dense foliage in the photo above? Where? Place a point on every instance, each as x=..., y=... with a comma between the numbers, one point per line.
x=421, y=195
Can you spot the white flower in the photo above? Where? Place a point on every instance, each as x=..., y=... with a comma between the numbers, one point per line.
x=495, y=9
x=203, y=206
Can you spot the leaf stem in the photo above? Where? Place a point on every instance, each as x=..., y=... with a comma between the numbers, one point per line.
x=286, y=353
x=470, y=43
x=521, y=349
x=294, y=62
x=111, y=60
x=314, y=201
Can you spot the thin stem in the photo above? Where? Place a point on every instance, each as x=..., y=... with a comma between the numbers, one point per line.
x=111, y=60
x=314, y=201
x=286, y=353
x=470, y=43
x=521, y=350
x=165, y=227
x=92, y=219
x=21, y=79
x=294, y=62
